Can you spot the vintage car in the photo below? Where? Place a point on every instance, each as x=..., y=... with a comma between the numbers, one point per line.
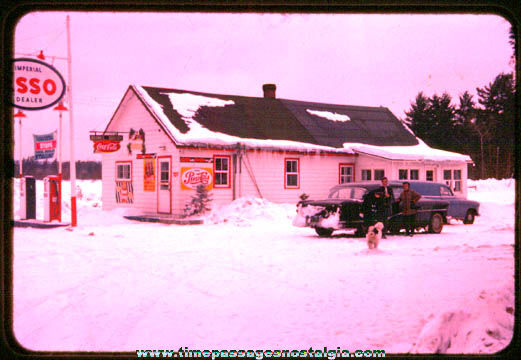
x=459, y=207
x=348, y=206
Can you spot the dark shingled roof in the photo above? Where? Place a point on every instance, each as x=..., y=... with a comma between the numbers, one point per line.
x=280, y=119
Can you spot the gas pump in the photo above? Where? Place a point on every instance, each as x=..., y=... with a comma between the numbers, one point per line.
x=52, y=199
x=27, y=198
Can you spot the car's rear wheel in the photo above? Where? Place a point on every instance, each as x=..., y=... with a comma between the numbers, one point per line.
x=323, y=232
x=394, y=229
x=469, y=217
x=436, y=224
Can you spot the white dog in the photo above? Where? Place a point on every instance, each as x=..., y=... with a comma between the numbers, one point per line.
x=374, y=234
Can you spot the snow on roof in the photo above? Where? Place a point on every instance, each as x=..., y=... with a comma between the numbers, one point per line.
x=329, y=115
x=187, y=104
x=416, y=152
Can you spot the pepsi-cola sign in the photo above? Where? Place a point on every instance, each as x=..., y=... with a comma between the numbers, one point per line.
x=192, y=177
x=37, y=85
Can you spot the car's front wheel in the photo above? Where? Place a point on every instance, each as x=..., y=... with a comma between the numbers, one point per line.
x=436, y=224
x=323, y=232
x=469, y=217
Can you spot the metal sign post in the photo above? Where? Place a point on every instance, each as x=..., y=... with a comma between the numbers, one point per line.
x=74, y=221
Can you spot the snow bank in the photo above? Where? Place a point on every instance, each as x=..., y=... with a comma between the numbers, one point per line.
x=329, y=115
x=497, y=202
x=492, y=191
x=244, y=211
x=485, y=326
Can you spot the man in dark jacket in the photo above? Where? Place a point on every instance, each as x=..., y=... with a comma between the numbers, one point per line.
x=384, y=201
x=369, y=208
x=408, y=199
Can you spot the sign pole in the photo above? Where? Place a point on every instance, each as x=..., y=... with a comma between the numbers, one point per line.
x=71, y=128
x=20, y=154
x=60, y=149
x=61, y=109
x=20, y=115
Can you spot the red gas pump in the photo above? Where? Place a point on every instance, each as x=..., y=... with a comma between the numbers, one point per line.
x=52, y=198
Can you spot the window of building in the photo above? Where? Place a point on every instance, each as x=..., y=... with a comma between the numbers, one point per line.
x=429, y=175
x=447, y=176
x=345, y=174
x=415, y=174
x=402, y=174
x=221, y=171
x=291, y=173
x=123, y=171
x=366, y=174
x=379, y=174
x=457, y=180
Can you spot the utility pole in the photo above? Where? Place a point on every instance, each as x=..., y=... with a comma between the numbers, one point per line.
x=71, y=128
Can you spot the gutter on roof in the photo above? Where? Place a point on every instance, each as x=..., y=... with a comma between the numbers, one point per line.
x=261, y=148
x=388, y=158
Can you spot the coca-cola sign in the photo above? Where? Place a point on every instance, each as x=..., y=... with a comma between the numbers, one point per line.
x=192, y=177
x=106, y=146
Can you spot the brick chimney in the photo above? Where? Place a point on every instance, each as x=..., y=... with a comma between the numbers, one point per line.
x=269, y=90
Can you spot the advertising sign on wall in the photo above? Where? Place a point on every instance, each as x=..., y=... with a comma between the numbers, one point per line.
x=106, y=146
x=149, y=174
x=192, y=177
x=44, y=146
x=124, y=192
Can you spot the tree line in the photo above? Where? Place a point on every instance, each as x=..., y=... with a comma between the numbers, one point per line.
x=85, y=170
x=483, y=129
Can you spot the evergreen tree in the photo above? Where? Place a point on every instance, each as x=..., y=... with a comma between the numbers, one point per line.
x=200, y=202
x=465, y=131
x=432, y=120
x=418, y=117
x=497, y=118
x=441, y=113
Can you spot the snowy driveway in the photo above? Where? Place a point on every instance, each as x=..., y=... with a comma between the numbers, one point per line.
x=258, y=284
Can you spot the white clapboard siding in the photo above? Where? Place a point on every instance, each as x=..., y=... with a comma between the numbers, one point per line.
x=182, y=196
x=132, y=114
x=318, y=173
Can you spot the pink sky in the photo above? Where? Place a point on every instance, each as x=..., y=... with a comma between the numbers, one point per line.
x=366, y=59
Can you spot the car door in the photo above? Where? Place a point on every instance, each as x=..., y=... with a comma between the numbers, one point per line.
x=456, y=208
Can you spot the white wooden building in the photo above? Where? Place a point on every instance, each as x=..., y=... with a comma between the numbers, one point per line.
x=265, y=147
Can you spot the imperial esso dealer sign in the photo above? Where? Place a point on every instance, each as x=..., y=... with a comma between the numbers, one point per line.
x=37, y=85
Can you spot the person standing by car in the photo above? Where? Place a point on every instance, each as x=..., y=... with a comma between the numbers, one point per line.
x=408, y=199
x=384, y=200
x=369, y=208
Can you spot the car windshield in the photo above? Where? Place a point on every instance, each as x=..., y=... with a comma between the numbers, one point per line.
x=348, y=193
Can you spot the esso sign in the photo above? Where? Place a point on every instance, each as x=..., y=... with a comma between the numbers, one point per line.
x=37, y=85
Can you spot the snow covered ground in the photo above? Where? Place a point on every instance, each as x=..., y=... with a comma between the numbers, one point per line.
x=248, y=279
